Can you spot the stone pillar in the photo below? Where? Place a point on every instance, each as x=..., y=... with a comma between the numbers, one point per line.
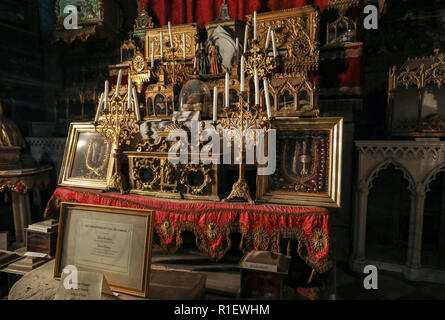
x=358, y=257
x=22, y=216
x=415, y=234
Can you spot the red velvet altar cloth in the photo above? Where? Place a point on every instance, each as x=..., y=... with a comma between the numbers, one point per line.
x=204, y=11
x=261, y=226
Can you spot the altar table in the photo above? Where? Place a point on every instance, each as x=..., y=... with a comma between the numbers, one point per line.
x=261, y=226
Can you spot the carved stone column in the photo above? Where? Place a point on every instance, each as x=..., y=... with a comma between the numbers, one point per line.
x=22, y=216
x=415, y=233
x=358, y=259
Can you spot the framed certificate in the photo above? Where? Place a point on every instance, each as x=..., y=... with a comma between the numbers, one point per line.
x=111, y=240
x=87, y=158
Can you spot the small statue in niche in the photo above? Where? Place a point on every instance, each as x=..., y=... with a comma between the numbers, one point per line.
x=201, y=60
x=215, y=59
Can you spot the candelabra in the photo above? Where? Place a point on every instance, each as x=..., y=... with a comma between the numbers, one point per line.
x=118, y=122
x=171, y=68
x=257, y=58
x=243, y=120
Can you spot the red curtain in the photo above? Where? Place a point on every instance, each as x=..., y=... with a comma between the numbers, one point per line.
x=203, y=11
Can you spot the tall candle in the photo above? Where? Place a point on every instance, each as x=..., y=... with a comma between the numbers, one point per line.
x=129, y=92
x=254, y=25
x=118, y=83
x=183, y=44
x=273, y=44
x=215, y=103
x=161, y=42
x=170, y=34
x=257, y=88
x=194, y=63
x=227, y=90
x=242, y=76
x=246, y=35
x=267, y=97
x=99, y=107
x=237, y=47
x=152, y=54
x=268, y=37
x=136, y=105
x=107, y=88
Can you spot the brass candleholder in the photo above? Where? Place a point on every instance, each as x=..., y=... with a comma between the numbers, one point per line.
x=118, y=123
x=257, y=58
x=242, y=120
x=172, y=69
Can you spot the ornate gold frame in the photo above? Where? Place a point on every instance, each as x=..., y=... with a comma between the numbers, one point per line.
x=148, y=214
x=333, y=167
x=68, y=158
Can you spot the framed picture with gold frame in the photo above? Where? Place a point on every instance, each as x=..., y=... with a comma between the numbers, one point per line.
x=87, y=158
x=308, y=163
x=111, y=240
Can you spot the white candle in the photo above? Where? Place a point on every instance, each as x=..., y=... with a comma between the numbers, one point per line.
x=237, y=47
x=183, y=44
x=170, y=34
x=118, y=83
x=257, y=88
x=194, y=63
x=152, y=54
x=161, y=43
x=107, y=88
x=268, y=37
x=246, y=35
x=242, y=76
x=273, y=44
x=254, y=25
x=99, y=107
x=129, y=92
x=227, y=90
x=267, y=97
x=136, y=105
x=215, y=103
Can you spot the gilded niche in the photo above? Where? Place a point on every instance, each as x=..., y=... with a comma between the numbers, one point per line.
x=302, y=162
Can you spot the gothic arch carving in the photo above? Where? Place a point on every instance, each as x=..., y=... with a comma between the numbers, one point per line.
x=431, y=176
x=383, y=165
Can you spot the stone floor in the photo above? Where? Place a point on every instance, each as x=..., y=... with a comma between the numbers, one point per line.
x=223, y=279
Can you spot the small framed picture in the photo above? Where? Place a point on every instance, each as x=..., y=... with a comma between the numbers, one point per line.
x=4, y=235
x=111, y=240
x=86, y=160
x=308, y=163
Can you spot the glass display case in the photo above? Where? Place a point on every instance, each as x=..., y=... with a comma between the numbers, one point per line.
x=195, y=96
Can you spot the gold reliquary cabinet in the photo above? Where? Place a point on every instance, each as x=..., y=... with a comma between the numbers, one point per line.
x=161, y=100
x=234, y=86
x=296, y=36
x=292, y=97
x=416, y=97
x=151, y=172
x=153, y=35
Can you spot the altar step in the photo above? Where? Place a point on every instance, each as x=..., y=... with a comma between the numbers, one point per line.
x=223, y=277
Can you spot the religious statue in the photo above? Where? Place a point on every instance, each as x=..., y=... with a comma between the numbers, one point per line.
x=201, y=60
x=215, y=59
x=9, y=132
